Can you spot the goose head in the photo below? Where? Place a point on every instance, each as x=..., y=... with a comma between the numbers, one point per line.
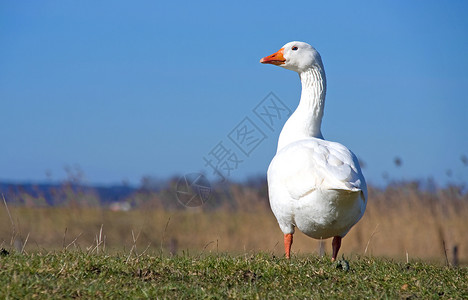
x=295, y=56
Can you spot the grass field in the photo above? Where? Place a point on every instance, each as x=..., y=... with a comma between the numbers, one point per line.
x=78, y=274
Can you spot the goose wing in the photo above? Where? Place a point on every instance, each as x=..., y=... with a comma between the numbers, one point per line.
x=306, y=165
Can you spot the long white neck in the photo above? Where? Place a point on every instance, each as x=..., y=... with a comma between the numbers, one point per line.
x=306, y=121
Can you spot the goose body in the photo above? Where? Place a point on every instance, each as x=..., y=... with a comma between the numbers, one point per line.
x=314, y=185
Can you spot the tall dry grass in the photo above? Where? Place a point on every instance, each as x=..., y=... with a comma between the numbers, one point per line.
x=400, y=221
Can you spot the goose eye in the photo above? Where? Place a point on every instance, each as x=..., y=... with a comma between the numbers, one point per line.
x=294, y=48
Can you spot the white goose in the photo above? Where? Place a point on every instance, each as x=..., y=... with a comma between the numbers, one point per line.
x=313, y=184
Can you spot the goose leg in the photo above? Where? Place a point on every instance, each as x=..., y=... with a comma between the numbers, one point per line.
x=288, y=240
x=336, y=244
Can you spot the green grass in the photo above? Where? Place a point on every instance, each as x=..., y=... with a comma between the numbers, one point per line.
x=77, y=274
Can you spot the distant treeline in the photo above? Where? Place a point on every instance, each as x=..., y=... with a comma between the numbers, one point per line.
x=173, y=193
x=177, y=192
x=53, y=194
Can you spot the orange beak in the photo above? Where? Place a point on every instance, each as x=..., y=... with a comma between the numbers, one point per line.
x=274, y=59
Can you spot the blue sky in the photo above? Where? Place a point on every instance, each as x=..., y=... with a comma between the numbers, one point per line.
x=127, y=89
